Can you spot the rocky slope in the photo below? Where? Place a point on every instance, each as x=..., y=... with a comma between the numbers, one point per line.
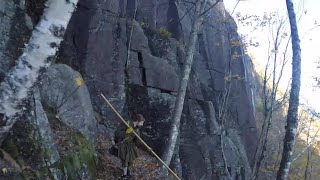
x=62, y=135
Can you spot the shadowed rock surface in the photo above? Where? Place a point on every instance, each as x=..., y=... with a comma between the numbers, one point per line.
x=149, y=83
x=96, y=45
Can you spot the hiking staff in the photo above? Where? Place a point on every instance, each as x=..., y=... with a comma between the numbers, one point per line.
x=141, y=140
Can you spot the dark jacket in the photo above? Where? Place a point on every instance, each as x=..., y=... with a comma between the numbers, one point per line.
x=127, y=150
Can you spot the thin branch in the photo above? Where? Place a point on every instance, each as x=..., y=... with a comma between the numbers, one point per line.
x=224, y=158
x=235, y=7
x=131, y=32
x=212, y=6
x=309, y=31
x=194, y=4
x=308, y=145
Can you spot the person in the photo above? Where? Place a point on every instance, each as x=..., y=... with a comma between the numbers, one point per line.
x=125, y=141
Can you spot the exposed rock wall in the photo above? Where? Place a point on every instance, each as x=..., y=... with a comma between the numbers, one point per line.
x=13, y=19
x=55, y=138
x=147, y=81
x=217, y=137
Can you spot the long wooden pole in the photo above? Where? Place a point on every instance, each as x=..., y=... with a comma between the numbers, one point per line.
x=145, y=144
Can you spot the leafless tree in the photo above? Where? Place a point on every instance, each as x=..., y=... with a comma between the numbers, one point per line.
x=291, y=128
x=273, y=99
x=200, y=9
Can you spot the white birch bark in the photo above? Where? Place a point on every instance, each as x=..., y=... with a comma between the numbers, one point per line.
x=292, y=119
x=38, y=55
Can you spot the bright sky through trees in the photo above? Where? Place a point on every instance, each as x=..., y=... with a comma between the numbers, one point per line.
x=309, y=31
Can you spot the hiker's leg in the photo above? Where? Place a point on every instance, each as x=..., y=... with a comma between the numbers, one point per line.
x=125, y=171
x=129, y=168
x=125, y=168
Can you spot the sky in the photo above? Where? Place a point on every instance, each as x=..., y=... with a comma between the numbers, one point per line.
x=308, y=13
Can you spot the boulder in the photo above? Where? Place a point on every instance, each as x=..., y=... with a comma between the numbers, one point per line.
x=63, y=91
x=55, y=138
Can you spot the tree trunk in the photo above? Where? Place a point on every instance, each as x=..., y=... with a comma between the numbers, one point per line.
x=291, y=128
x=37, y=56
x=167, y=156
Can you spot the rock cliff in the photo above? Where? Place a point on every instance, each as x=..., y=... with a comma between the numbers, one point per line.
x=218, y=130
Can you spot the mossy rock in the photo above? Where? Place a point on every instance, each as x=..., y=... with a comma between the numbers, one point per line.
x=164, y=33
x=22, y=144
x=77, y=154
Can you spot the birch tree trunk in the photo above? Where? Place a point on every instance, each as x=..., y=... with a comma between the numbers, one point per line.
x=37, y=56
x=175, y=124
x=291, y=128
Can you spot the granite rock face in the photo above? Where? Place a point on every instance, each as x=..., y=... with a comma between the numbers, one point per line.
x=56, y=136
x=133, y=51
x=62, y=89
x=147, y=81
x=13, y=19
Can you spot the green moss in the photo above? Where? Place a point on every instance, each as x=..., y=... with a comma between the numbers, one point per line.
x=86, y=154
x=77, y=154
x=9, y=146
x=42, y=172
x=164, y=33
x=47, y=153
x=74, y=153
x=71, y=162
x=23, y=147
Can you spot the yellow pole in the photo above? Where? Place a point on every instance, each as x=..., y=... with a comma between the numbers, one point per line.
x=145, y=144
